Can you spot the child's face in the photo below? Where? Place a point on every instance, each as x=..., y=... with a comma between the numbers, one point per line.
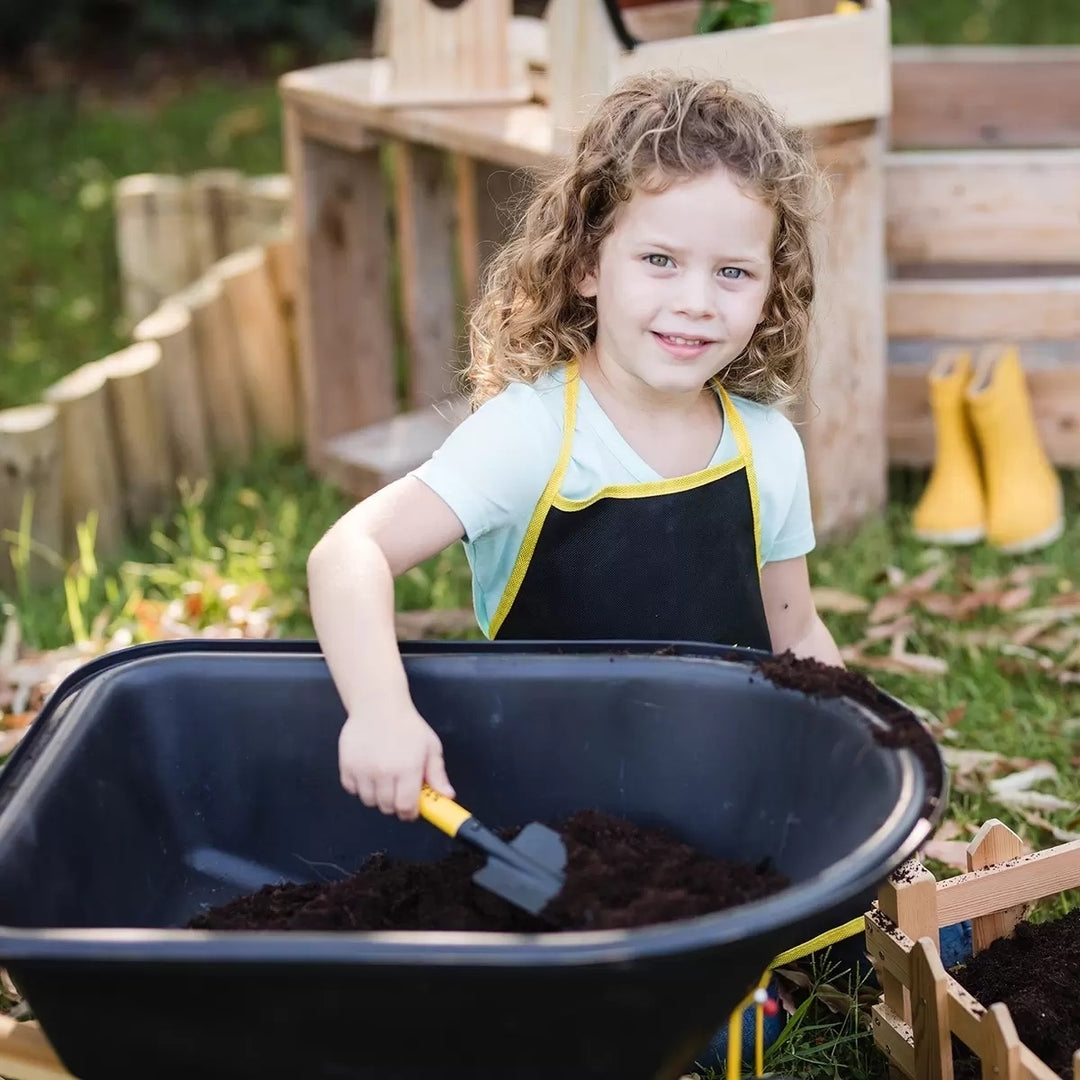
x=681, y=282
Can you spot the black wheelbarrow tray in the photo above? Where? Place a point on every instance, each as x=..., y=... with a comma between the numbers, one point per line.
x=164, y=778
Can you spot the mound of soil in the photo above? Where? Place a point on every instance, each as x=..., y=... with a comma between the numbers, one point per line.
x=902, y=730
x=619, y=875
x=1036, y=973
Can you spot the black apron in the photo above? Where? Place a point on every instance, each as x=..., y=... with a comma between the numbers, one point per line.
x=671, y=560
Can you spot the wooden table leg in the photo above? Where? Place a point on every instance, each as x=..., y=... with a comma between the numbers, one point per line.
x=343, y=306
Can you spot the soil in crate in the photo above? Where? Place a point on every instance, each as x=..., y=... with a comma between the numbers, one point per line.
x=619, y=875
x=1036, y=973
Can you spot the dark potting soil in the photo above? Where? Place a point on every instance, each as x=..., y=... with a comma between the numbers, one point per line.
x=619, y=875
x=1036, y=973
x=903, y=728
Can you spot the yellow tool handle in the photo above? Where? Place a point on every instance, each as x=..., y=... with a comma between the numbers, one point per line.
x=442, y=812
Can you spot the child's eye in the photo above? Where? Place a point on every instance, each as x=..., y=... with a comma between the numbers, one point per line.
x=662, y=261
x=733, y=273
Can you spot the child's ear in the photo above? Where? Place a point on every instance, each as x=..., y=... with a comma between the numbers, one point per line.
x=587, y=285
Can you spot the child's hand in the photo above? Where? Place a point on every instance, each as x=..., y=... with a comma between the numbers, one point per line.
x=384, y=760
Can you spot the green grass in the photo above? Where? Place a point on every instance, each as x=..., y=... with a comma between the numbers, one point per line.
x=59, y=289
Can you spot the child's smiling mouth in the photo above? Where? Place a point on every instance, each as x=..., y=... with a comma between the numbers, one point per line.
x=682, y=346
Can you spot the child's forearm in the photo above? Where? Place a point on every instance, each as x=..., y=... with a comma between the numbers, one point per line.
x=351, y=591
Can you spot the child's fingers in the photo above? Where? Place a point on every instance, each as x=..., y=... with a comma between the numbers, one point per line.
x=407, y=795
x=435, y=773
x=385, y=787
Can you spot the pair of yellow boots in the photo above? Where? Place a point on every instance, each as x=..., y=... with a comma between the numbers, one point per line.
x=991, y=477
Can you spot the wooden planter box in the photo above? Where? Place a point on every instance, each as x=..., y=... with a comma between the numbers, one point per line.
x=817, y=67
x=922, y=1006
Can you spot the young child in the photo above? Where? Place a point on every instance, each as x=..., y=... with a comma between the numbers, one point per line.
x=625, y=473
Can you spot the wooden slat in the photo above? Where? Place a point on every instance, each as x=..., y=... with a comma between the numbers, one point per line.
x=983, y=206
x=929, y=1006
x=336, y=98
x=1055, y=399
x=889, y=948
x=894, y=1038
x=994, y=843
x=1032, y=877
x=1035, y=309
x=424, y=197
x=343, y=287
x=982, y=96
x=361, y=462
x=827, y=70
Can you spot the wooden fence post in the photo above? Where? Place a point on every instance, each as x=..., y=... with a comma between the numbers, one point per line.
x=268, y=205
x=183, y=407
x=217, y=204
x=263, y=346
x=930, y=1013
x=139, y=432
x=909, y=899
x=30, y=470
x=219, y=368
x=91, y=475
x=153, y=230
x=994, y=843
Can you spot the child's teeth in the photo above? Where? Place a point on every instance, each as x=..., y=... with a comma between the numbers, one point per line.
x=685, y=340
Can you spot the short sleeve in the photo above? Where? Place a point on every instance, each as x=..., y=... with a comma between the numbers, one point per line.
x=493, y=467
x=794, y=525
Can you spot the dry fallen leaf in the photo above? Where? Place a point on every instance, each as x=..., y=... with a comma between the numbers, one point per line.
x=838, y=601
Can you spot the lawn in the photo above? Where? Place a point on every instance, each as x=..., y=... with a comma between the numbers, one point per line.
x=234, y=554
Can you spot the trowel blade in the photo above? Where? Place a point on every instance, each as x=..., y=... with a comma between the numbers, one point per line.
x=534, y=881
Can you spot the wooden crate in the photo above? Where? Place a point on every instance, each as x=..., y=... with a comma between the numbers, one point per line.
x=982, y=229
x=922, y=1006
x=819, y=68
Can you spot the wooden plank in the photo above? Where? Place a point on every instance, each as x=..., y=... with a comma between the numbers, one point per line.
x=847, y=345
x=26, y=1054
x=1055, y=399
x=360, y=462
x=965, y=1018
x=346, y=340
x=994, y=843
x=889, y=947
x=424, y=198
x=1001, y=1058
x=908, y=898
x=336, y=98
x=929, y=1006
x=983, y=206
x=1031, y=309
x=1028, y=878
x=894, y=1038
x=451, y=54
x=985, y=96
x=832, y=69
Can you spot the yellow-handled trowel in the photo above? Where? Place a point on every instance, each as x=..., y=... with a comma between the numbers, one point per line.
x=529, y=871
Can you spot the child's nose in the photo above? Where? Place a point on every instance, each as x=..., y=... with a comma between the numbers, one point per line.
x=695, y=299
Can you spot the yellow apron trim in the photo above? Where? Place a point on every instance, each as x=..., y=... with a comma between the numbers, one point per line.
x=742, y=441
x=536, y=522
x=822, y=941
x=653, y=487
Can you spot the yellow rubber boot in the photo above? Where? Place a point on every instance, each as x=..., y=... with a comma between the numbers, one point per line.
x=1025, y=509
x=952, y=508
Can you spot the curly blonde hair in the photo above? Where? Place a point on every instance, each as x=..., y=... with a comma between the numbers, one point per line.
x=650, y=131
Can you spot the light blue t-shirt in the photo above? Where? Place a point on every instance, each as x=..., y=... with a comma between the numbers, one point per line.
x=494, y=466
